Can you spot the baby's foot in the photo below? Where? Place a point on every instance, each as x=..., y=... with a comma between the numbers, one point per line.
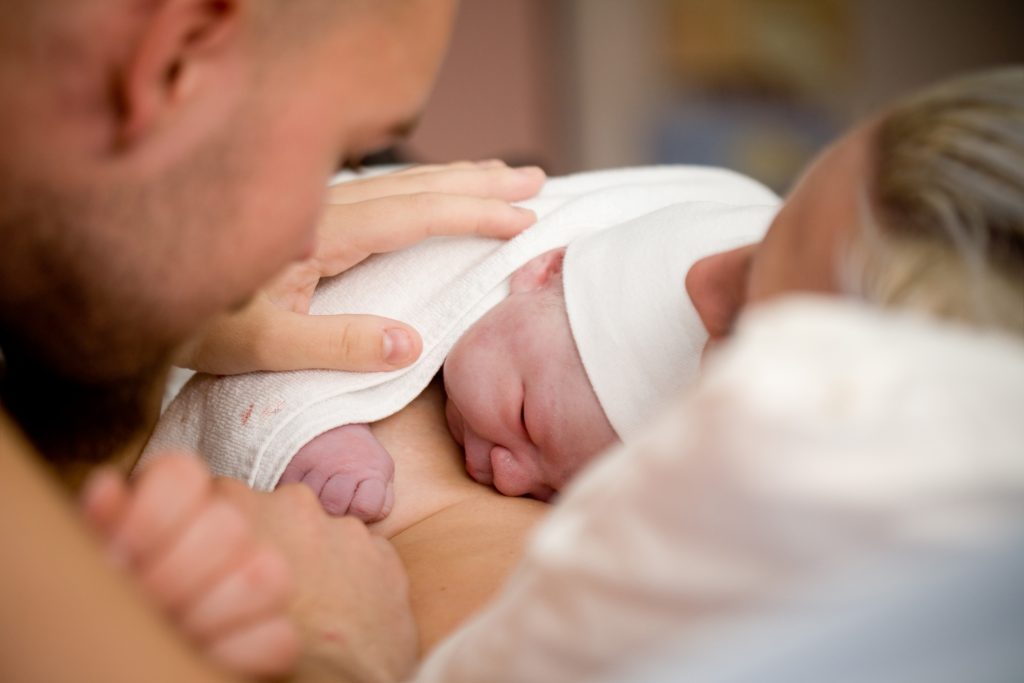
x=196, y=556
x=350, y=471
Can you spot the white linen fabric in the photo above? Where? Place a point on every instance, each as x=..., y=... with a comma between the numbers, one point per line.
x=824, y=436
x=637, y=332
x=249, y=427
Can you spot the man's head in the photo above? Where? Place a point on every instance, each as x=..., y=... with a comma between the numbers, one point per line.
x=164, y=158
x=519, y=400
x=921, y=208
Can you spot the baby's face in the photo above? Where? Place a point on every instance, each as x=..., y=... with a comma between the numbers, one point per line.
x=519, y=400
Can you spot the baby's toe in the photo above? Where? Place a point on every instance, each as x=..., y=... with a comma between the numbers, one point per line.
x=369, y=500
x=337, y=493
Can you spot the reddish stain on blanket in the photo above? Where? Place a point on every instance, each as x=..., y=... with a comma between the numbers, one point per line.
x=270, y=411
x=247, y=414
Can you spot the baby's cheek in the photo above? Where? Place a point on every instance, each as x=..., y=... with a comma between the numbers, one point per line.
x=590, y=435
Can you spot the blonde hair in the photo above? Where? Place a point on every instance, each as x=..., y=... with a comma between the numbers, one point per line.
x=943, y=211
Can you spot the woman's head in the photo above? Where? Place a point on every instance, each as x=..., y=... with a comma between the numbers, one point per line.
x=943, y=225
x=922, y=208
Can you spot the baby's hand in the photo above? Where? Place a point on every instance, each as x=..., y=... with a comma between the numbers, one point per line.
x=195, y=555
x=349, y=470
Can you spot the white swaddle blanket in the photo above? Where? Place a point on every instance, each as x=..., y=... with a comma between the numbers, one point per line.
x=249, y=427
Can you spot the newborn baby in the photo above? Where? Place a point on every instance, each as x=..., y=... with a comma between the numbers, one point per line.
x=553, y=345
x=519, y=402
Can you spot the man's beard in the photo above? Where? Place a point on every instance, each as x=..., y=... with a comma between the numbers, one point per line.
x=82, y=373
x=74, y=422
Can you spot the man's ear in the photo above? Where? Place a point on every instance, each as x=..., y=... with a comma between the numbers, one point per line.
x=177, y=52
x=538, y=271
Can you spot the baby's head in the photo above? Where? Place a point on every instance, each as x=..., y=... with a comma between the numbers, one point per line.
x=590, y=341
x=519, y=400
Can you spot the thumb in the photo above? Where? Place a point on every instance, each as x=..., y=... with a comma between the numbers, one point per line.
x=357, y=343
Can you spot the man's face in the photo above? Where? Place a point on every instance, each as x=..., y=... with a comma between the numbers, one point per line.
x=803, y=248
x=519, y=400
x=159, y=166
x=355, y=90
x=126, y=255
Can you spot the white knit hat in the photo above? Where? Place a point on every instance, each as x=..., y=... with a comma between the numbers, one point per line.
x=636, y=329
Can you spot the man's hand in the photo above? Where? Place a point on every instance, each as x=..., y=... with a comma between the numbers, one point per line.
x=194, y=554
x=352, y=602
x=364, y=217
x=253, y=578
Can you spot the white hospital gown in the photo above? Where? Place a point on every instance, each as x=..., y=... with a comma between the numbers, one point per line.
x=826, y=436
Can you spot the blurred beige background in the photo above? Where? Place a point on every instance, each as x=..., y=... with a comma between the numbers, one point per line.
x=756, y=85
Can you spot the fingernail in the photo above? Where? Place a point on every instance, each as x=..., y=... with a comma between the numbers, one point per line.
x=397, y=346
x=531, y=171
x=531, y=215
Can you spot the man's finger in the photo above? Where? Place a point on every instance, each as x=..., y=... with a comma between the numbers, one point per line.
x=268, y=648
x=245, y=500
x=358, y=343
x=497, y=182
x=104, y=500
x=456, y=165
x=166, y=496
x=211, y=544
x=353, y=232
x=260, y=587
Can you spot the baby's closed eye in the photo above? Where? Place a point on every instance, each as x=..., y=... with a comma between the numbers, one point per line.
x=522, y=421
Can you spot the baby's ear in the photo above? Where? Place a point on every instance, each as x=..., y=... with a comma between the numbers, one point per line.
x=538, y=271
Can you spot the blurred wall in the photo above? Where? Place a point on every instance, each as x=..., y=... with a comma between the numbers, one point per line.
x=498, y=93
x=904, y=44
x=580, y=84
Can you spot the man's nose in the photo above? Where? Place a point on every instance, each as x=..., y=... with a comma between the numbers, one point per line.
x=717, y=286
